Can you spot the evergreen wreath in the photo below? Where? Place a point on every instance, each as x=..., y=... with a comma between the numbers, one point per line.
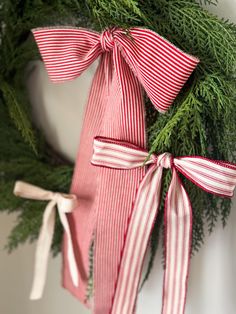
x=200, y=122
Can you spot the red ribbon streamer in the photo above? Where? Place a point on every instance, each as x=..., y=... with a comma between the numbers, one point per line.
x=215, y=177
x=129, y=61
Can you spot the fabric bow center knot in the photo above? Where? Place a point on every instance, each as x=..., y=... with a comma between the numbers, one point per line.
x=65, y=202
x=164, y=160
x=107, y=40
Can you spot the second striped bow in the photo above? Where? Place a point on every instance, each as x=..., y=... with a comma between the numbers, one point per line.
x=215, y=177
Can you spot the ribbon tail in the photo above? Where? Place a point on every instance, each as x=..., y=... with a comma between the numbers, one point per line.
x=178, y=234
x=70, y=250
x=43, y=251
x=137, y=238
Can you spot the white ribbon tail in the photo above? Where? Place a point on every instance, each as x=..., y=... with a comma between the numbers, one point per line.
x=43, y=251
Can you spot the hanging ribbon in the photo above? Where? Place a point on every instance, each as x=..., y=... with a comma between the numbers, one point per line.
x=216, y=177
x=130, y=59
x=65, y=203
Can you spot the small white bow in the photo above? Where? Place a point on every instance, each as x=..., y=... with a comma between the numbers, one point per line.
x=64, y=203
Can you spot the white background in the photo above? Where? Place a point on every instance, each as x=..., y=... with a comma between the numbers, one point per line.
x=212, y=282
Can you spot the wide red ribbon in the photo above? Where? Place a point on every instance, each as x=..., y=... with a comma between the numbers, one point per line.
x=215, y=177
x=129, y=61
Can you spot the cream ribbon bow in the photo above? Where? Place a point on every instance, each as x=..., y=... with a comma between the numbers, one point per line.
x=65, y=203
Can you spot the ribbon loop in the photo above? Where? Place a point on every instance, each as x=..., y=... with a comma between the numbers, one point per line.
x=65, y=204
x=30, y=191
x=214, y=176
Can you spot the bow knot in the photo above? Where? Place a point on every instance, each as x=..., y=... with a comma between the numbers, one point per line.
x=65, y=202
x=164, y=160
x=55, y=196
x=107, y=39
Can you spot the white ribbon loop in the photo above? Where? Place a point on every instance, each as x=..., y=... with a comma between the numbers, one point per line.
x=65, y=203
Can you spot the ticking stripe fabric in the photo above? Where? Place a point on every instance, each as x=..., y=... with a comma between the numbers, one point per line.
x=131, y=62
x=215, y=177
x=160, y=67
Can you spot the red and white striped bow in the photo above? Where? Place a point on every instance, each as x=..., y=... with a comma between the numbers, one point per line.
x=160, y=67
x=215, y=177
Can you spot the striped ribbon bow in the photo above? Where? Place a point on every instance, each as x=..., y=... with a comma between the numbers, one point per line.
x=65, y=204
x=160, y=67
x=217, y=177
x=130, y=61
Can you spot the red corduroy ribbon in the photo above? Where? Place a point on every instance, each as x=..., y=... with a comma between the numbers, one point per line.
x=130, y=59
x=216, y=177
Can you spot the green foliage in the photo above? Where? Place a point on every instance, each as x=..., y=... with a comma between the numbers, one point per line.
x=18, y=114
x=123, y=13
x=89, y=292
x=200, y=122
x=18, y=161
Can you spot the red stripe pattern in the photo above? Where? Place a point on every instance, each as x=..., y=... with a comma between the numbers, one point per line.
x=128, y=61
x=215, y=177
x=160, y=67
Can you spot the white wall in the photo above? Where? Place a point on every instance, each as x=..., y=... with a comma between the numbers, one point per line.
x=212, y=286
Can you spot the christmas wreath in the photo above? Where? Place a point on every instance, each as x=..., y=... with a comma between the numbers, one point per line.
x=201, y=121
